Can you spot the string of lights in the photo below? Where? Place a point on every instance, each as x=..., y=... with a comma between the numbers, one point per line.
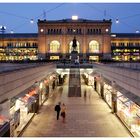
x=117, y=20
x=27, y=18
x=131, y=16
x=12, y=14
x=50, y=10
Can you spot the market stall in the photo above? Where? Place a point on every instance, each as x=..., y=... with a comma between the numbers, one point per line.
x=129, y=113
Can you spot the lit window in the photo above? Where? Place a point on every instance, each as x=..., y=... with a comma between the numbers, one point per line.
x=54, y=46
x=94, y=47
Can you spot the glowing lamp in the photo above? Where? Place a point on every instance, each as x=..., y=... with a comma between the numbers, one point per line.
x=74, y=17
x=31, y=21
x=41, y=30
x=117, y=21
x=106, y=30
x=11, y=31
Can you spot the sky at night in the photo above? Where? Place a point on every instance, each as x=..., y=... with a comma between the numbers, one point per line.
x=17, y=17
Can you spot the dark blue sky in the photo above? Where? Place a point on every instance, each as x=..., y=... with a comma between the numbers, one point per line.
x=17, y=16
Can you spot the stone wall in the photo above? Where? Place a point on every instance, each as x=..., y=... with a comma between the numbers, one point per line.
x=126, y=78
x=12, y=83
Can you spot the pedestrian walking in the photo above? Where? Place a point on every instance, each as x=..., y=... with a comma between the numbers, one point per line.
x=63, y=112
x=53, y=85
x=85, y=95
x=58, y=109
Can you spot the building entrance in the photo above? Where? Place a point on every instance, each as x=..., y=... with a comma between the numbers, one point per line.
x=94, y=58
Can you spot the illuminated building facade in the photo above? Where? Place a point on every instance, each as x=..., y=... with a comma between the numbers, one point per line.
x=54, y=41
x=125, y=46
x=18, y=46
x=93, y=38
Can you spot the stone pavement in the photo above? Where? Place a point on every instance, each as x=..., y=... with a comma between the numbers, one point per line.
x=86, y=116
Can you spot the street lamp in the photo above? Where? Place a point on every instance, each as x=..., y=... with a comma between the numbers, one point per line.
x=117, y=21
x=31, y=21
x=2, y=28
x=11, y=31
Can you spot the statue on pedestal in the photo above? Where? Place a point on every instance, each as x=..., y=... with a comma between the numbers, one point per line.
x=74, y=44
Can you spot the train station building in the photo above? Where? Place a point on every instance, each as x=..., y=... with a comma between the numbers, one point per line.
x=95, y=41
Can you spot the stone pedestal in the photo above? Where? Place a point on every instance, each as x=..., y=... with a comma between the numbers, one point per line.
x=74, y=56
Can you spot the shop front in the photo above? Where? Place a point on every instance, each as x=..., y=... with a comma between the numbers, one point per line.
x=23, y=108
x=54, y=82
x=44, y=90
x=90, y=80
x=129, y=113
x=5, y=119
x=108, y=94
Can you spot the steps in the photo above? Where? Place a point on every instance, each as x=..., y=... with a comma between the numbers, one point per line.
x=74, y=83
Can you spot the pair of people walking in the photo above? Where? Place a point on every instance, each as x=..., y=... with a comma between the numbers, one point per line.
x=61, y=108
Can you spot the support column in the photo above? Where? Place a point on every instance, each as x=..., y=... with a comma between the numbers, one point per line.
x=102, y=87
x=114, y=98
x=84, y=47
x=95, y=83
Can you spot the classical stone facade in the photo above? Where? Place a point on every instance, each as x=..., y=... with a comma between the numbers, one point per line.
x=93, y=38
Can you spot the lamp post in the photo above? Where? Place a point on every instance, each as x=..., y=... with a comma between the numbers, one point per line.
x=2, y=30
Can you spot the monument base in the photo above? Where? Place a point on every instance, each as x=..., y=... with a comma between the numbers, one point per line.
x=74, y=56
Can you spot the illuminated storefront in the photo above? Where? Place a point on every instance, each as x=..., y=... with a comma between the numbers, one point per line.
x=23, y=108
x=44, y=90
x=129, y=113
x=125, y=46
x=90, y=80
x=108, y=94
x=18, y=46
x=5, y=119
x=126, y=109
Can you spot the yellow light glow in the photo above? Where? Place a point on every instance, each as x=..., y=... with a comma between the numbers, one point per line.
x=74, y=17
x=41, y=30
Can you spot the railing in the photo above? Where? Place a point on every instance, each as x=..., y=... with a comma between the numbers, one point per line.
x=8, y=67
x=72, y=65
x=134, y=66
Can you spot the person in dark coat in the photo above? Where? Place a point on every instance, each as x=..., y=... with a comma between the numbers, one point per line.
x=58, y=109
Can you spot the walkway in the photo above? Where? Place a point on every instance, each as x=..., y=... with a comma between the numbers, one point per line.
x=86, y=116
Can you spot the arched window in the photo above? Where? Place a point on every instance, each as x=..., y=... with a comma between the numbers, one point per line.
x=94, y=47
x=54, y=46
x=71, y=48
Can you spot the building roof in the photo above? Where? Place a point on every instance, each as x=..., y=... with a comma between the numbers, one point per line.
x=80, y=20
x=19, y=35
x=125, y=35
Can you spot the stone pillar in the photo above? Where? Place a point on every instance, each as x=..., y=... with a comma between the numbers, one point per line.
x=102, y=86
x=114, y=98
x=84, y=47
x=41, y=47
x=107, y=47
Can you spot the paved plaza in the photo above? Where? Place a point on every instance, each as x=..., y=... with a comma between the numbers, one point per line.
x=85, y=116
